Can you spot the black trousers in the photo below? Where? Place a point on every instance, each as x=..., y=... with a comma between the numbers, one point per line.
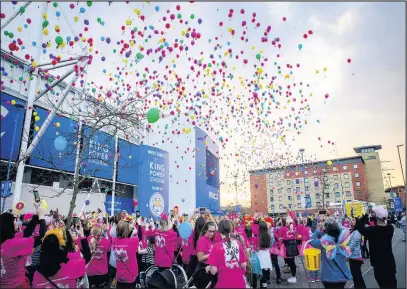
x=98, y=280
x=274, y=261
x=265, y=278
x=334, y=285
x=385, y=277
x=120, y=285
x=293, y=267
x=356, y=271
x=365, y=249
x=193, y=262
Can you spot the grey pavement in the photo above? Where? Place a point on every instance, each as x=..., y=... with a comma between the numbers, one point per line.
x=399, y=251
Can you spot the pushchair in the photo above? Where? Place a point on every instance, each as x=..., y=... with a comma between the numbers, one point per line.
x=175, y=277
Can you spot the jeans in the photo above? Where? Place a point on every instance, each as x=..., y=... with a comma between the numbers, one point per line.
x=314, y=274
x=403, y=227
x=356, y=271
x=274, y=261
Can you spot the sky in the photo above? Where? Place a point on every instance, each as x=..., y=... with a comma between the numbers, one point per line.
x=366, y=98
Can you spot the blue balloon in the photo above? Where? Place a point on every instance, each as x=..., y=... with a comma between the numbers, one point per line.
x=58, y=13
x=60, y=143
x=26, y=25
x=157, y=8
x=185, y=230
x=299, y=46
x=102, y=38
x=34, y=43
x=82, y=10
x=68, y=38
x=199, y=20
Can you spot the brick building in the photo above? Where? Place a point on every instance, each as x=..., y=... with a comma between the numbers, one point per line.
x=318, y=185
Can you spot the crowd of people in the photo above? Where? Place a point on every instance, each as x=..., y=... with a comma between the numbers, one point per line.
x=233, y=251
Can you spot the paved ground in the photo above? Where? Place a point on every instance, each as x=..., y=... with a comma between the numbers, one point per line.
x=399, y=251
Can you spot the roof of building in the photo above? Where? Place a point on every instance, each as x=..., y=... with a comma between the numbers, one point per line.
x=341, y=161
x=394, y=188
x=359, y=149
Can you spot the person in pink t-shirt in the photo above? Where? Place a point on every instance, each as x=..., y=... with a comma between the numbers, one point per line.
x=97, y=268
x=227, y=259
x=193, y=240
x=55, y=269
x=165, y=245
x=14, y=254
x=125, y=248
x=203, y=248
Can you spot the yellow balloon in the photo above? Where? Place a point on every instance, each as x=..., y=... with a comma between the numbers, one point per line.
x=44, y=204
x=19, y=28
x=13, y=102
x=44, y=15
x=37, y=118
x=325, y=69
x=45, y=31
x=57, y=124
x=128, y=22
x=34, y=113
x=76, y=18
x=49, y=44
x=37, y=128
x=329, y=163
x=56, y=27
x=317, y=71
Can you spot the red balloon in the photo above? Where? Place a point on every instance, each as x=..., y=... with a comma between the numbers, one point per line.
x=305, y=36
x=310, y=32
x=349, y=60
x=220, y=23
x=326, y=95
x=242, y=11
x=178, y=7
x=284, y=19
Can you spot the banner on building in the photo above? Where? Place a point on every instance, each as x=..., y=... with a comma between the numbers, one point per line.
x=398, y=204
x=128, y=163
x=12, y=119
x=154, y=181
x=57, y=146
x=354, y=210
x=98, y=155
x=120, y=204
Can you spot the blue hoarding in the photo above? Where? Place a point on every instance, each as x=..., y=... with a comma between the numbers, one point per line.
x=207, y=172
x=128, y=164
x=5, y=190
x=308, y=201
x=12, y=119
x=120, y=204
x=98, y=155
x=398, y=204
x=56, y=148
x=154, y=181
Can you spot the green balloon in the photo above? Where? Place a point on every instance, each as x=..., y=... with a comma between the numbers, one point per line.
x=99, y=19
x=192, y=16
x=45, y=24
x=153, y=115
x=20, y=78
x=93, y=90
x=258, y=56
x=114, y=50
x=22, y=9
x=6, y=32
x=55, y=4
x=89, y=3
x=59, y=40
x=11, y=35
x=179, y=16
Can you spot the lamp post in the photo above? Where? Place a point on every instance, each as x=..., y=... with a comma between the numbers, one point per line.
x=401, y=165
x=301, y=150
x=17, y=106
x=389, y=175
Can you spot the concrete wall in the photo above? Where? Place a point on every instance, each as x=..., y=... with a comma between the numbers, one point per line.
x=374, y=179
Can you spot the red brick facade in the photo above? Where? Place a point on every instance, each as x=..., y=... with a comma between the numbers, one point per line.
x=258, y=193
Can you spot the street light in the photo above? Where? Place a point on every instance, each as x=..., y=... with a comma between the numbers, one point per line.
x=301, y=150
x=401, y=165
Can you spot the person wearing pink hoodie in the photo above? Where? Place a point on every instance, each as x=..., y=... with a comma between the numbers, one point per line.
x=288, y=235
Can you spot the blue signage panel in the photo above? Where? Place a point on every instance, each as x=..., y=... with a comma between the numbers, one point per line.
x=308, y=203
x=129, y=162
x=154, y=181
x=12, y=119
x=120, y=204
x=98, y=155
x=56, y=148
x=5, y=189
x=398, y=204
x=207, y=172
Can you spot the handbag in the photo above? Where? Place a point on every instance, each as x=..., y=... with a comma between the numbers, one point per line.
x=275, y=250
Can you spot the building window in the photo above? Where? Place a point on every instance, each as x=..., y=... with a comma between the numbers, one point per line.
x=335, y=177
x=288, y=174
x=272, y=207
x=326, y=195
x=336, y=186
x=280, y=198
x=359, y=193
x=281, y=207
x=334, y=169
x=279, y=175
x=280, y=191
x=358, y=184
x=344, y=168
x=306, y=180
x=327, y=204
x=317, y=196
x=289, y=198
x=296, y=173
x=271, y=192
x=355, y=166
x=346, y=176
x=347, y=185
x=298, y=197
x=357, y=175
x=348, y=194
x=325, y=178
x=297, y=189
x=279, y=184
x=315, y=171
x=289, y=190
x=337, y=195
x=318, y=204
x=306, y=188
x=299, y=205
x=255, y=203
x=297, y=181
x=271, y=199
x=288, y=182
x=305, y=172
x=289, y=206
x=324, y=170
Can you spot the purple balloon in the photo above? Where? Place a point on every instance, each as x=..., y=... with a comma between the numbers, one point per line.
x=87, y=202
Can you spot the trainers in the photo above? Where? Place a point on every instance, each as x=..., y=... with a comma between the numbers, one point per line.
x=310, y=280
x=317, y=279
x=113, y=284
x=286, y=270
x=292, y=280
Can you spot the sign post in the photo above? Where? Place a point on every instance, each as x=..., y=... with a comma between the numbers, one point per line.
x=5, y=192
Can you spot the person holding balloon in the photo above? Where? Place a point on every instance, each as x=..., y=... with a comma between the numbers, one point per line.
x=165, y=244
